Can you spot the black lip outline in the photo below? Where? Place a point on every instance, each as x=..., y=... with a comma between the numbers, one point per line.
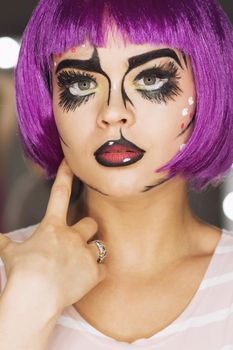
x=122, y=142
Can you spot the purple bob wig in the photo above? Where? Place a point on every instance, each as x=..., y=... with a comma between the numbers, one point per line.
x=200, y=29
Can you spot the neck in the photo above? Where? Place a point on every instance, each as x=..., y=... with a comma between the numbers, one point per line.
x=144, y=233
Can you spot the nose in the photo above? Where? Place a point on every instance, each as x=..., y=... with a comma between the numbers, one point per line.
x=115, y=113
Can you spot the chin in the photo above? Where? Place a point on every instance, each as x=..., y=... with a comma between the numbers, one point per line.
x=115, y=185
x=119, y=190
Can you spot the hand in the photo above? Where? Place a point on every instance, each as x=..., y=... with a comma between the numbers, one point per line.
x=56, y=258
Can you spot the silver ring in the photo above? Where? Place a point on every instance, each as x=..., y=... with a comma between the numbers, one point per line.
x=102, y=250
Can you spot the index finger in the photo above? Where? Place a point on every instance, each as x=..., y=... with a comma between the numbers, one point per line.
x=60, y=194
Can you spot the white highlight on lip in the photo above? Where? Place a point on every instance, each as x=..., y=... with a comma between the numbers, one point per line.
x=182, y=146
x=110, y=143
x=126, y=160
x=55, y=64
x=190, y=101
x=185, y=112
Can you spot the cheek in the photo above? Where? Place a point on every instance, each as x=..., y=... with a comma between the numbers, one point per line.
x=72, y=133
x=78, y=138
x=168, y=119
x=74, y=127
x=80, y=122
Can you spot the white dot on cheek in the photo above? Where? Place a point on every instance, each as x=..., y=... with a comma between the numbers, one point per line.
x=182, y=146
x=191, y=101
x=185, y=112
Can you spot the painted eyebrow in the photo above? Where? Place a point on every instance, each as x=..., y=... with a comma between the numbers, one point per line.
x=91, y=65
x=136, y=61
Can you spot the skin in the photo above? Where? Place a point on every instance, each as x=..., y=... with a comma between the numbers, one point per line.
x=39, y=284
x=148, y=234
x=82, y=136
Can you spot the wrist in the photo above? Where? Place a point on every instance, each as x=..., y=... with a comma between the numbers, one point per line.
x=33, y=293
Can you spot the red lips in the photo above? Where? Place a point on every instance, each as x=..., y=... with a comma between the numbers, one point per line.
x=117, y=153
x=115, y=148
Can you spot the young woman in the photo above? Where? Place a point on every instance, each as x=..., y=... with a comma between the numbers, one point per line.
x=137, y=97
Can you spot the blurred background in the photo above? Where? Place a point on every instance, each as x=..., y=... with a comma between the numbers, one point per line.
x=23, y=190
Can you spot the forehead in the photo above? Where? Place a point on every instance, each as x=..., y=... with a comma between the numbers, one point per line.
x=115, y=48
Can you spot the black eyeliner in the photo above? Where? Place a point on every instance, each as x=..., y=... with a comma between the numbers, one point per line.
x=168, y=90
x=166, y=70
x=66, y=79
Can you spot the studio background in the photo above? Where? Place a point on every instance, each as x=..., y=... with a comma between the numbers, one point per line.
x=23, y=189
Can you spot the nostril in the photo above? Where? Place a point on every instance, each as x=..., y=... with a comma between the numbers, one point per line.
x=124, y=120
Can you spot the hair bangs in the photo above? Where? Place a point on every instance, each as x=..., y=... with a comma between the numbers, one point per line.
x=70, y=23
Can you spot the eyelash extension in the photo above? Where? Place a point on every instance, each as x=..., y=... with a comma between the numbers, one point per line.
x=169, y=90
x=66, y=79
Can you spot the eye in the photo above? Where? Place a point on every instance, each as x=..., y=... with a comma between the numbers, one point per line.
x=82, y=87
x=151, y=83
x=159, y=84
x=75, y=89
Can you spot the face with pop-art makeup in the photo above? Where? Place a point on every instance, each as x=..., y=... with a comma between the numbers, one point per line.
x=122, y=111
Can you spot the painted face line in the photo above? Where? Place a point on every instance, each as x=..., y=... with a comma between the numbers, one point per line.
x=187, y=127
x=124, y=94
x=160, y=182
x=63, y=141
x=96, y=57
x=49, y=81
x=185, y=59
x=96, y=190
